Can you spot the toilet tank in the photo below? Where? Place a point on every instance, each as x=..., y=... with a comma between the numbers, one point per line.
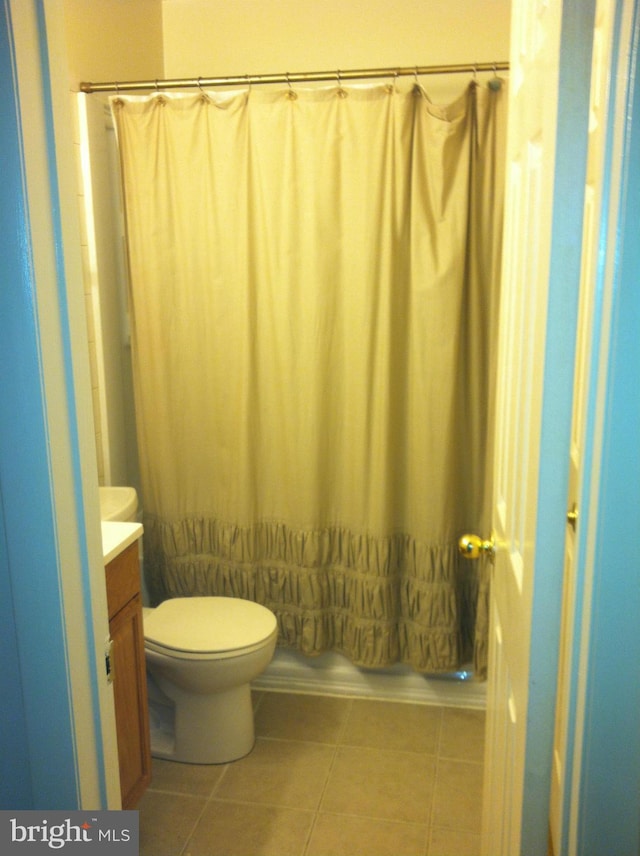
x=118, y=503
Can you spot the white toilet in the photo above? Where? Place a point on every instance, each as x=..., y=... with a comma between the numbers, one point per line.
x=201, y=654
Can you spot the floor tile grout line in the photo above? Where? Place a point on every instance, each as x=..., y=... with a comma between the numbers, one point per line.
x=436, y=771
x=336, y=748
x=217, y=785
x=427, y=839
x=458, y=760
x=207, y=802
x=169, y=792
x=443, y=757
x=269, y=805
x=375, y=817
x=420, y=753
x=189, y=836
x=297, y=740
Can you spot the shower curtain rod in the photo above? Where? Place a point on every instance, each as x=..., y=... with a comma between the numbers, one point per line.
x=294, y=77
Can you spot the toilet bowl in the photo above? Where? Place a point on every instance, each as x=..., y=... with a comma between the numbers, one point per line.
x=201, y=655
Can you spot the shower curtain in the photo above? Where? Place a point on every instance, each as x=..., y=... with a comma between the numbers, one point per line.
x=314, y=279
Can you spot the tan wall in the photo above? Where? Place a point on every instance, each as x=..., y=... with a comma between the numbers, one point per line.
x=104, y=40
x=113, y=40
x=234, y=37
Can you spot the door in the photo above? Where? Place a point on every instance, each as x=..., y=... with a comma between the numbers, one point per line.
x=533, y=408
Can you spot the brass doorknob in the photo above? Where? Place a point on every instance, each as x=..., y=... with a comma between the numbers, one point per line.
x=472, y=547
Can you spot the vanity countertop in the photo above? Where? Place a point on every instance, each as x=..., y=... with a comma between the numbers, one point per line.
x=117, y=536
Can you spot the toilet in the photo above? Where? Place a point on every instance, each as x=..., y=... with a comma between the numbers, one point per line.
x=201, y=655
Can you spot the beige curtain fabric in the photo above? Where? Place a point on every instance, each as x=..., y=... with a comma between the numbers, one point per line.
x=314, y=283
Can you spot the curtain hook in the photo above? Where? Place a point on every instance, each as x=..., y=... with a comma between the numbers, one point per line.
x=495, y=84
x=291, y=94
x=203, y=95
x=391, y=87
x=160, y=99
x=117, y=100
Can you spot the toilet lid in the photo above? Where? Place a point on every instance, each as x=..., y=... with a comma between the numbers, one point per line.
x=208, y=625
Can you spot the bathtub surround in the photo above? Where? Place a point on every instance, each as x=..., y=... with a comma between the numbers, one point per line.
x=332, y=674
x=313, y=277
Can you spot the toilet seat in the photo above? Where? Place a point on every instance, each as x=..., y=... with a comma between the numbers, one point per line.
x=208, y=628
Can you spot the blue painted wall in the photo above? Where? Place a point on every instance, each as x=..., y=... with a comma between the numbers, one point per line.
x=609, y=815
x=15, y=776
x=36, y=719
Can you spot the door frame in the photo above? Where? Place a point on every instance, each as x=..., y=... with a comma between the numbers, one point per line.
x=71, y=544
x=51, y=553
x=600, y=810
x=603, y=724
x=555, y=432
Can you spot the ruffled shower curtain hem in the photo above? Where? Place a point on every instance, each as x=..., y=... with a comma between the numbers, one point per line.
x=377, y=600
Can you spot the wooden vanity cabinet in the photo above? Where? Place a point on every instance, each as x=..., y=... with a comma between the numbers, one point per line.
x=129, y=674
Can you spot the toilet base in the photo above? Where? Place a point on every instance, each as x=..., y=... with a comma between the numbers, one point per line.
x=202, y=729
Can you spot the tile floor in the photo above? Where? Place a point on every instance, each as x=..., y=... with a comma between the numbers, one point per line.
x=328, y=777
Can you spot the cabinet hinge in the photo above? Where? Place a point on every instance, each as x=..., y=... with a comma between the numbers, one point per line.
x=108, y=660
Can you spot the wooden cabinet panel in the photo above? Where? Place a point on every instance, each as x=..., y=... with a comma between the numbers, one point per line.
x=123, y=579
x=129, y=675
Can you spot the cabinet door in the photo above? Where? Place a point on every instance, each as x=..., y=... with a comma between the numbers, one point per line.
x=130, y=691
